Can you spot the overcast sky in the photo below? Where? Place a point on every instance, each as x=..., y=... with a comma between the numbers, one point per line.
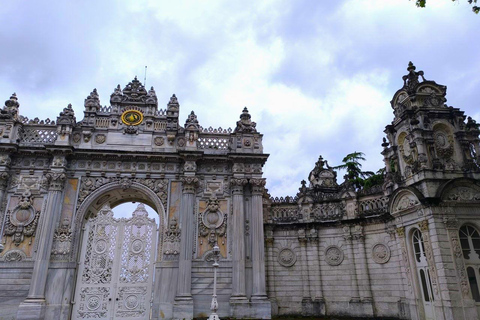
x=316, y=76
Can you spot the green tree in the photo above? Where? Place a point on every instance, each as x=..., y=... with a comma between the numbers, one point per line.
x=351, y=163
x=422, y=4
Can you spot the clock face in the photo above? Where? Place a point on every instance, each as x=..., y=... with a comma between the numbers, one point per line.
x=132, y=117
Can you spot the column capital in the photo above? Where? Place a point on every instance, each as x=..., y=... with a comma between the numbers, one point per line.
x=237, y=185
x=400, y=231
x=55, y=180
x=423, y=225
x=4, y=180
x=258, y=185
x=189, y=184
x=451, y=223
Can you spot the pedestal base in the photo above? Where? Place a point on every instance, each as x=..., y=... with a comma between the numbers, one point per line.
x=255, y=309
x=31, y=309
x=313, y=307
x=183, y=308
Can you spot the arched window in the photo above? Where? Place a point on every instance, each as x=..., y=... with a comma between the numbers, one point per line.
x=470, y=242
x=421, y=263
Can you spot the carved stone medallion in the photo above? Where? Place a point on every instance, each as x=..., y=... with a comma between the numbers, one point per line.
x=380, y=253
x=286, y=257
x=159, y=141
x=334, y=255
x=181, y=142
x=100, y=138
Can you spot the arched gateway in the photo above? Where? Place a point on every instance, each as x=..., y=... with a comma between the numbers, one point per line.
x=404, y=244
x=60, y=177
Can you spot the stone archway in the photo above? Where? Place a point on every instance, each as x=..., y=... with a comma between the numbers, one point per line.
x=116, y=256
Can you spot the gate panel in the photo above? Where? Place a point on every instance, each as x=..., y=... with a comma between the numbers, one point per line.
x=116, y=268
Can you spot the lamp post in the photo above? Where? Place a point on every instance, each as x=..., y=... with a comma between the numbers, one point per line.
x=214, y=304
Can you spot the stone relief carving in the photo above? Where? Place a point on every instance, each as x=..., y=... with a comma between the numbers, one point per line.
x=14, y=255
x=463, y=194
x=381, y=253
x=443, y=143
x=334, y=255
x=22, y=221
x=100, y=138
x=159, y=141
x=405, y=202
x=172, y=241
x=62, y=241
x=212, y=223
x=322, y=175
x=287, y=257
x=90, y=184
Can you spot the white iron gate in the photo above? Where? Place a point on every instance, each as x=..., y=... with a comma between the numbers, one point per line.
x=115, y=274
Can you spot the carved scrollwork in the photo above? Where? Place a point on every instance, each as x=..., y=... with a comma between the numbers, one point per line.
x=258, y=185
x=55, y=181
x=237, y=185
x=90, y=184
x=22, y=221
x=14, y=255
x=190, y=184
x=62, y=241
x=172, y=241
x=212, y=223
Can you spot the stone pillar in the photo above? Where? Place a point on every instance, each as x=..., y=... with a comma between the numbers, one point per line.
x=34, y=305
x=305, y=279
x=238, y=240
x=270, y=273
x=430, y=259
x=258, y=249
x=361, y=265
x=3, y=187
x=354, y=283
x=314, y=244
x=183, y=307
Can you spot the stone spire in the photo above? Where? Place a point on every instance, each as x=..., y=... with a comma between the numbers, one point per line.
x=245, y=124
x=410, y=81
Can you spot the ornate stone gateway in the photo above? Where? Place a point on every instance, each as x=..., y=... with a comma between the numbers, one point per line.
x=115, y=274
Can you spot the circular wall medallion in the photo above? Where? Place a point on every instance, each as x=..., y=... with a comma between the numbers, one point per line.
x=137, y=246
x=380, y=253
x=100, y=246
x=93, y=303
x=132, y=117
x=286, y=257
x=212, y=219
x=159, y=141
x=131, y=302
x=334, y=255
x=22, y=217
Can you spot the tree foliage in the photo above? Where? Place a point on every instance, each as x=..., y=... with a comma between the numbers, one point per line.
x=476, y=9
x=360, y=179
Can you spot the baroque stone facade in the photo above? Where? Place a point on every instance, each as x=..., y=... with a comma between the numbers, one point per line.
x=408, y=248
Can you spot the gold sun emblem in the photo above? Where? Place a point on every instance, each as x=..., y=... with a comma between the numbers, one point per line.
x=132, y=117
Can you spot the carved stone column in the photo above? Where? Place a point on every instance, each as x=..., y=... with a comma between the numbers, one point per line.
x=361, y=265
x=314, y=244
x=3, y=186
x=34, y=305
x=354, y=283
x=183, y=301
x=238, y=248
x=270, y=273
x=429, y=255
x=405, y=261
x=305, y=279
x=258, y=249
